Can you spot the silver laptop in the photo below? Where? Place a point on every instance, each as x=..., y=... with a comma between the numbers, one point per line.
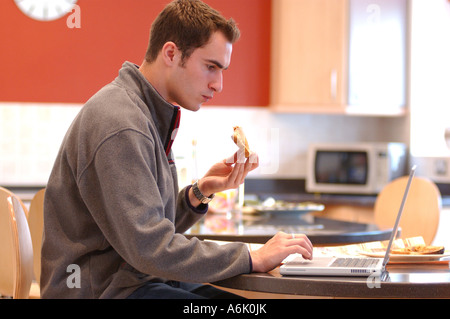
x=346, y=266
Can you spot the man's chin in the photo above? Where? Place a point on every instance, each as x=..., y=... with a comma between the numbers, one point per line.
x=193, y=108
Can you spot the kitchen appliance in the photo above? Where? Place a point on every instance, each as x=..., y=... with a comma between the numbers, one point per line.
x=353, y=168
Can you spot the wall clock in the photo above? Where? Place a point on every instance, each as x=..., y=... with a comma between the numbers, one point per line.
x=45, y=10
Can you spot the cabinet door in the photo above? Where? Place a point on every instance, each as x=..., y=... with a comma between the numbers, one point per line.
x=377, y=54
x=309, y=53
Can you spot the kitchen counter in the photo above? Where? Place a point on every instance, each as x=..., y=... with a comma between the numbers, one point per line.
x=402, y=281
x=295, y=190
x=321, y=231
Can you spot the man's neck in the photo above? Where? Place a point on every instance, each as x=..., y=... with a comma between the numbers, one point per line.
x=150, y=70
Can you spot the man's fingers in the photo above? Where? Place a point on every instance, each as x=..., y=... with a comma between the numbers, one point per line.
x=231, y=160
x=296, y=249
x=301, y=244
x=253, y=159
x=242, y=166
x=238, y=158
x=301, y=238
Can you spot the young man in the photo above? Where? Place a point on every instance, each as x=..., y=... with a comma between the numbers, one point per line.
x=113, y=215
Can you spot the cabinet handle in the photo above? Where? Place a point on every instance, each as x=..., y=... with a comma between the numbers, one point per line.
x=333, y=84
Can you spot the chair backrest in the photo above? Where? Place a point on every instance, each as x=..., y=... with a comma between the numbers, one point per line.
x=422, y=208
x=36, y=223
x=16, y=250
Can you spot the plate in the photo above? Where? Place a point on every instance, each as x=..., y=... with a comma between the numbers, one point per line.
x=409, y=258
x=285, y=207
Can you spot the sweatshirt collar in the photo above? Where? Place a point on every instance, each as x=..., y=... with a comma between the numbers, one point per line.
x=165, y=115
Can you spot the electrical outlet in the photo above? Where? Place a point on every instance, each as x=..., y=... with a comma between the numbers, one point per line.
x=440, y=167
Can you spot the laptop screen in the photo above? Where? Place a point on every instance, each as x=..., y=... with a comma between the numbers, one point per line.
x=397, y=221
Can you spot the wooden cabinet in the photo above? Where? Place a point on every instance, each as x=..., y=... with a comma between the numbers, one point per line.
x=309, y=55
x=339, y=56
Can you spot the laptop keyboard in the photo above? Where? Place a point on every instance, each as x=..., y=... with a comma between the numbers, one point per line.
x=355, y=262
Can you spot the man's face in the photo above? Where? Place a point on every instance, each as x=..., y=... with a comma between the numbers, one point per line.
x=195, y=80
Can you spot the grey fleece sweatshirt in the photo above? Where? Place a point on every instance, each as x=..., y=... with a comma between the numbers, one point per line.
x=113, y=216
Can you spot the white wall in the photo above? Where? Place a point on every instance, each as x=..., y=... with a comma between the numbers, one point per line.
x=429, y=87
x=30, y=136
x=281, y=140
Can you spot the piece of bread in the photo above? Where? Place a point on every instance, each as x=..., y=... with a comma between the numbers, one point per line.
x=419, y=250
x=240, y=140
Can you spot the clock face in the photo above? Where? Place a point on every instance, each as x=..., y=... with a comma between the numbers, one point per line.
x=45, y=10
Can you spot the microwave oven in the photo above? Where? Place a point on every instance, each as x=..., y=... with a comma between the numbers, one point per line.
x=358, y=168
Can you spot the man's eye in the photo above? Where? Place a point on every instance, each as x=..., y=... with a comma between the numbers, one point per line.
x=211, y=67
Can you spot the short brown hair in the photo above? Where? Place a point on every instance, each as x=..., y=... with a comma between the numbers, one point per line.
x=189, y=24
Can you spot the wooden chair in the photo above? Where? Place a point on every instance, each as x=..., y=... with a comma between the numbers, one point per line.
x=421, y=212
x=36, y=223
x=16, y=249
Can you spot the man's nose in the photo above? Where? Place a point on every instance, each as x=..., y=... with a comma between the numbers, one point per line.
x=217, y=84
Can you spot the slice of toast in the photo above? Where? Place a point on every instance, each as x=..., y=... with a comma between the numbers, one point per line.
x=419, y=250
x=240, y=140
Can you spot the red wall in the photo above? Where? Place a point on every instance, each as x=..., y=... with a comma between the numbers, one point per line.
x=48, y=62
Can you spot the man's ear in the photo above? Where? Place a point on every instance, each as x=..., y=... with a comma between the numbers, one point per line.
x=170, y=53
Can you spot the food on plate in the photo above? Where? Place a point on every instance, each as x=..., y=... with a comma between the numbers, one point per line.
x=419, y=250
x=240, y=140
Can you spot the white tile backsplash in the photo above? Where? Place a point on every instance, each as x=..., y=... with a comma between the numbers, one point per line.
x=30, y=136
x=31, y=133
x=281, y=140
